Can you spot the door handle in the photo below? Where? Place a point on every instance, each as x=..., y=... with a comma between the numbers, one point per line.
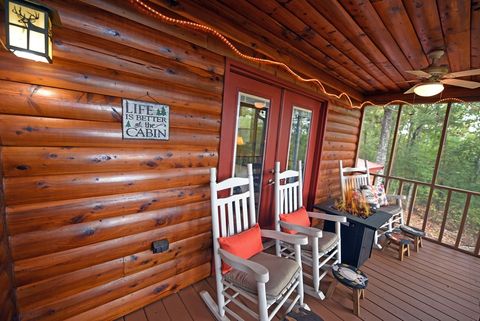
x=270, y=182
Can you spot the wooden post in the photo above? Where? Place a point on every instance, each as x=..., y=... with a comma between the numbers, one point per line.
x=437, y=163
x=412, y=202
x=394, y=144
x=464, y=218
x=477, y=247
x=445, y=214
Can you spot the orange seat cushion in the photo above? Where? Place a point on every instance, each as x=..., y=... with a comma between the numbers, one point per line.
x=299, y=217
x=245, y=244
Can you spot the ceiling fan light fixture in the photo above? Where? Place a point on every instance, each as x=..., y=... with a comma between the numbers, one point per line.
x=429, y=89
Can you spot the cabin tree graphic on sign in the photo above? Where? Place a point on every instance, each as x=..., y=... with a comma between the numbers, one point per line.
x=144, y=120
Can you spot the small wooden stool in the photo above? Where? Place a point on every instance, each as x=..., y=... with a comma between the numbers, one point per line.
x=415, y=234
x=352, y=278
x=401, y=240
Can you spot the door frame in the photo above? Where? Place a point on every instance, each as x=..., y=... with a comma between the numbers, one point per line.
x=228, y=120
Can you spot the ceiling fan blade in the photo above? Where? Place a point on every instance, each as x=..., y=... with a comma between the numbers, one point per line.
x=465, y=73
x=461, y=83
x=419, y=73
x=410, y=91
x=407, y=81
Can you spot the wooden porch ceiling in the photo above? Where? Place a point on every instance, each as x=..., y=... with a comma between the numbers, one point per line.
x=358, y=46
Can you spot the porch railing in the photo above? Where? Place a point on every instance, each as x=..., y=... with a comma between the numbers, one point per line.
x=409, y=207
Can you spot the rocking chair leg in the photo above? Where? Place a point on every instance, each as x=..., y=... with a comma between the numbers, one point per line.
x=315, y=265
x=375, y=243
x=298, y=259
x=262, y=302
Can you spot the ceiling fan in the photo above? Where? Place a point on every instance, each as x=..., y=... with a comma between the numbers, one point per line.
x=434, y=77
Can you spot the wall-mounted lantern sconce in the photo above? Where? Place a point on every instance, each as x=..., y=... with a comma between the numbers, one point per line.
x=29, y=29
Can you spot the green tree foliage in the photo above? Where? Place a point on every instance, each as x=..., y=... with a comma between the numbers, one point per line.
x=418, y=142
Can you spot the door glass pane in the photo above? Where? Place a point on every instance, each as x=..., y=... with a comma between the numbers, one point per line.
x=251, y=136
x=299, y=134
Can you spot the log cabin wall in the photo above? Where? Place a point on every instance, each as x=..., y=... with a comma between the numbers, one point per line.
x=341, y=137
x=7, y=309
x=82, y=205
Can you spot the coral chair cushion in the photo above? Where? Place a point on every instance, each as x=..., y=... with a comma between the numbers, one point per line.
x=299, y=217
x=245, y=244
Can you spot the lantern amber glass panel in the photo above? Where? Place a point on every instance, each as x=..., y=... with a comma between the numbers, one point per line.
x=29, y=31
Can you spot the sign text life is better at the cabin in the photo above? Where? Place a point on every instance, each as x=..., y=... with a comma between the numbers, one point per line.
x=145, y=120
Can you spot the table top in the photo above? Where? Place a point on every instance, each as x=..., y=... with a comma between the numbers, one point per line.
x=350, y=276
x=374, y=221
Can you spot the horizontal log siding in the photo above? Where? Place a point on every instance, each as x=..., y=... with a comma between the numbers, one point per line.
x=82, y=205
x=6, y=291
x=340, y=143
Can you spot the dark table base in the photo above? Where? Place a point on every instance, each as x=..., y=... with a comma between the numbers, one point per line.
x=357, y=234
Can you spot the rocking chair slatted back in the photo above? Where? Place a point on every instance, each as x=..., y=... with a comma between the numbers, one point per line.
x=290, y=192
x=357, y=178
x=235, y=213
x=288, y=198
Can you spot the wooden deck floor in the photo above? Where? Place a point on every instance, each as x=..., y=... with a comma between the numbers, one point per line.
x=436, y=284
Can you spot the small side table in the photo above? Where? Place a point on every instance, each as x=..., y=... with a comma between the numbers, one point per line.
x=353, y=279
x=414, y=233
x=401, y=240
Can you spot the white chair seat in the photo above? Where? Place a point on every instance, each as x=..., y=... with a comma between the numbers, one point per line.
x=391, y=209
x=282, y=273
x=327, y=242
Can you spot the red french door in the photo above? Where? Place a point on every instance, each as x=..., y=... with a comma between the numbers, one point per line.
x=263, y=123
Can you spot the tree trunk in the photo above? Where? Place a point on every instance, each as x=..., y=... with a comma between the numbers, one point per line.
x=382, y=150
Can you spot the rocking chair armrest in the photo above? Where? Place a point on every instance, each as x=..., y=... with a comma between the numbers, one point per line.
x=397, y=197
x=310, y=231
x=259, y=271
x=328, y=217
x=289, y=238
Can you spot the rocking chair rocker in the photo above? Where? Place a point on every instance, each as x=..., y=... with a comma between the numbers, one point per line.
x=264, y=279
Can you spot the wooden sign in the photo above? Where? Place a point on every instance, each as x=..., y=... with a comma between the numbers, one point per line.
x=145, y=120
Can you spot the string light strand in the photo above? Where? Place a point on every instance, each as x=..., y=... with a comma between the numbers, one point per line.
x=207, y=29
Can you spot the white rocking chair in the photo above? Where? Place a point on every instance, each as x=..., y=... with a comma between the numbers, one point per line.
x=324, y=248
x=355, y=178
x=264, y=279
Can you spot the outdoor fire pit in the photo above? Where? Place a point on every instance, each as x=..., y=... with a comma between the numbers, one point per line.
x=357, y=234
